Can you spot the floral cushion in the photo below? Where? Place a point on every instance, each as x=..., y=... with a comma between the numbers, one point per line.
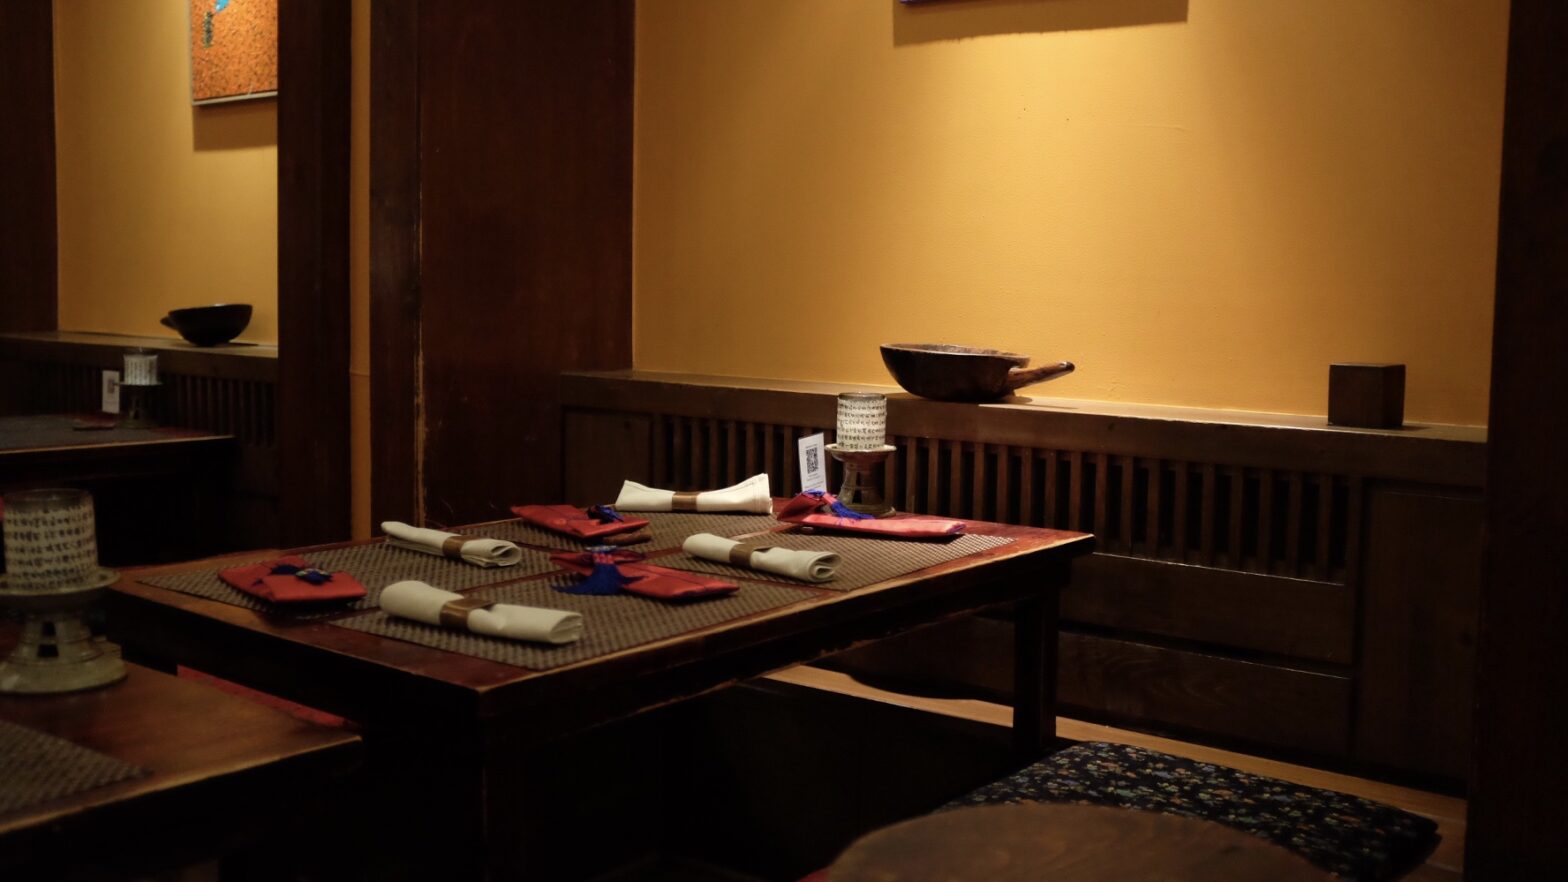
x=1347, y=835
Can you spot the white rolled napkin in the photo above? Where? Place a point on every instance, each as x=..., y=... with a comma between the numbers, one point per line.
x=428, y=604
x=807, y=566
x=481, y=552
x=749, y=495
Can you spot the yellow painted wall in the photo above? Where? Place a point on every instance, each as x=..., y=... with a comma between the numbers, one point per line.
x=1201, y=203
x=161, y=204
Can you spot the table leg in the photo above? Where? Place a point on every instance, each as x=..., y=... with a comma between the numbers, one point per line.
x=1034, y=673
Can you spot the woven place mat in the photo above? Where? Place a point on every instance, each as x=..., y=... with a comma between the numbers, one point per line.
x=669, y=530
x=610, y=623
x=36, y=767
x=375, y=566
x=866, y=561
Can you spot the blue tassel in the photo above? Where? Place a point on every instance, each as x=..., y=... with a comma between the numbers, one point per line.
x=606, y=514
x=845, y=511
x=606, y=578
x=837, y=507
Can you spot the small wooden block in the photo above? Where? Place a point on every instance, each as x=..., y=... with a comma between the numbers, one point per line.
x=1369, y=396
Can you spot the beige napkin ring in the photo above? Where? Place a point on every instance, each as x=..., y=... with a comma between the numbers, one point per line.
x=452, y=547
x=454, y=613
x=740, y=553
x=685, y=500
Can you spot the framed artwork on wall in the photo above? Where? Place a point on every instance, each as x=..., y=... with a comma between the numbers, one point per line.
x=234, y=50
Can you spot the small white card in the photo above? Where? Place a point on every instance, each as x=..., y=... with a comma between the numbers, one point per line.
x=111, y=391
x=813, y=462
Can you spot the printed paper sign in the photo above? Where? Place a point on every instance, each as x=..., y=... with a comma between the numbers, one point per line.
x=813, y=462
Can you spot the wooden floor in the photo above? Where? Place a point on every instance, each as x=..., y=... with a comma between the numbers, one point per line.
x=1445, y=864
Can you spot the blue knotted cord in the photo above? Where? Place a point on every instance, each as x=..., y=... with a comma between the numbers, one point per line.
x=839, y=508
x=305, y=573
x=606, y=578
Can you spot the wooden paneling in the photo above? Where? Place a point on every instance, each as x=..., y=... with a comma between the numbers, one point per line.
x=1521, y=769
x=605, y=449
x=313, y=267
x=394, y=263
x=1232, y=547
x=1268, y=704
x=1418, y=626
x=1269, y=614
x=1123, y=680
x=27, y=167
x=518, y=256
x=525, y=220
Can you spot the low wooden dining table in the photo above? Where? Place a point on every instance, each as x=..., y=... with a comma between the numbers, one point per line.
x=460, y=744
x=220, y=774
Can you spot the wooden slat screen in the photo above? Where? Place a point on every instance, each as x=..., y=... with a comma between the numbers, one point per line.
x=242, y=408
x=1281, y=522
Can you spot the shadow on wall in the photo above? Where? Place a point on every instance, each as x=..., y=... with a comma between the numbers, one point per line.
x=930, y=21
x=235, y=125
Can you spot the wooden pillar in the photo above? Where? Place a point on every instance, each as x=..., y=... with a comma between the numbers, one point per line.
x=1521, y=771
x=313, y=270
x=28, y=271
x=501, y=187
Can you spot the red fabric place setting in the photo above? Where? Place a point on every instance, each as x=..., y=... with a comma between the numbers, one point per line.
x=620, y=570
x=292, y=579
x=599, y=522
x=806, y=509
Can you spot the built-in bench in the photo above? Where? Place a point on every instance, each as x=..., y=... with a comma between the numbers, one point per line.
x=1265, y=580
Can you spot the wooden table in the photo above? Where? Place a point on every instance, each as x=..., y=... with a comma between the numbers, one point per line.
x=157, y=490
x=1035, y=842
x=224, y=772
x=470, y=735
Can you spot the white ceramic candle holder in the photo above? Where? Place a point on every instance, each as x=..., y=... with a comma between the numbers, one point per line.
x=862, y=421
x=52, y=578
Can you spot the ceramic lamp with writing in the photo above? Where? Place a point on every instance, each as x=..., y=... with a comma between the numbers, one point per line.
x=861, y=445
x=52, y=578
x=138, y=385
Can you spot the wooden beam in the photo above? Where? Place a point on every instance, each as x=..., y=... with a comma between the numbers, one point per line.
x=28, y=269
x=1520, y=770
x=394, y=262
x=313, y=269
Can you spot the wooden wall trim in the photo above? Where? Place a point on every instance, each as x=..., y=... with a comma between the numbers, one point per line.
x=394, y=263
x=1521, y=770
x=255, y=363
x=314, y=48
x=1442, y=455
x=28, y=248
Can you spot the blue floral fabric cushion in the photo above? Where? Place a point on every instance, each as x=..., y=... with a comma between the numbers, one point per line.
x=1347, y=835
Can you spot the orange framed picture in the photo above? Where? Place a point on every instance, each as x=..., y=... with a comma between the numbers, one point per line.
x=234, y=50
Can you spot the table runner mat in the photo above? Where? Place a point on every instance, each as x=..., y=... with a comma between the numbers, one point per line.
x=375, y=566
x=610, y=623
x=55, y=430
x=36, y=767
x=669, y=530
x=866, y=560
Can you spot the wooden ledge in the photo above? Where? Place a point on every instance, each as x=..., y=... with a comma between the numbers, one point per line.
x=238, y=361
x=1427, y=453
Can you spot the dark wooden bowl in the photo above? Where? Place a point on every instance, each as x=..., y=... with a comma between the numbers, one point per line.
x=963, y=373
x=209, y=325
